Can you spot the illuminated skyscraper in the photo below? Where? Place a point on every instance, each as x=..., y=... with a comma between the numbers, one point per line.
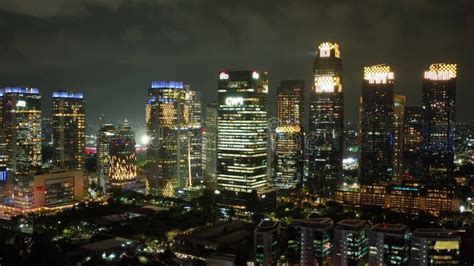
x=122, y=157
x=398, y=120
x=325, y=139
x=3, y=154
x=69, y=125
x=266, y=243
x=412, y=141
x=173, y=117
x=435, y=247
x=439, y=110
x=193, y=139
x=377, y=127
x=289, y=134
x=242, y=140
x=22, y=122
x=210, y=143
x=104, y=137
x=315, y=239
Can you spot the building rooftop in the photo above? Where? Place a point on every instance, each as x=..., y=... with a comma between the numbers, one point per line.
x=352, y=224
x=321, y=223
x=108, y=244
x=266, y=225
x=390, y=228
x=436, y=232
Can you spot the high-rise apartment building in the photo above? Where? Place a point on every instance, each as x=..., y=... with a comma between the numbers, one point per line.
x=376, y=126
x=435, y=247
x=242, y=140
x=351, y=242
x=389, y=244
x=69, y=126
x=325, y=140
x=266, y=243
x=289, y=135
x=438, y=118
x=315, y=241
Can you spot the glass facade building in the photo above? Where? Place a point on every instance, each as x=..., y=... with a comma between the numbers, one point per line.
x=289, y=135
x=438, y=118
x=377, y=126
x=122, y=170
x=325, y=140
x=69, y=125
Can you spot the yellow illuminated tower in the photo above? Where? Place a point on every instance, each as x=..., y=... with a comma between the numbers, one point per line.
x=377, y=127
x=122, y=168
x=324, y=142
x=438, y=122
x=288, y=160
x=242, y=141
x=69, y=125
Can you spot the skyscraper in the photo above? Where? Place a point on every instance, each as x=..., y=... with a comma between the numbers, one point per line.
x=104, y=137
x=435, y=247
x=289, y=134
x=210, y=143
x=398, y=120
x=412, y=142
x=325, y=140
x=69, y=124
x=376, y=125
x=242, y=140
x=174, y=156
x=22, y=123
x=122, y=157
x=439, y=113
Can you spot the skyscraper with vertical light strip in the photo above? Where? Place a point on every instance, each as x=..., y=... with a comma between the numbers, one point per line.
x=376, y=125
x=242, y=139
x=326, y=128
x=69, y=125
x=438, y=122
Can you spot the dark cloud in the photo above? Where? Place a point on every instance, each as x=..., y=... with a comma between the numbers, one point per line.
x=112, y=48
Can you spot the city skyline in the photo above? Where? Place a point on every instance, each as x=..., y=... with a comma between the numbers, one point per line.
x=128, y=56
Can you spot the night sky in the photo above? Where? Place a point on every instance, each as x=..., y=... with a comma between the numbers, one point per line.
x=112, y=49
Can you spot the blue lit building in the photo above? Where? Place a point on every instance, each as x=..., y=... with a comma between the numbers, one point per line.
x=69, y=125
x=389, y=244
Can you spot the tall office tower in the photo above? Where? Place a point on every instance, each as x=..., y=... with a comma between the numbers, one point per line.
x=104, y=137
x=193, y=140
x=266, y=245
x=289, y=135
x=325, y=140
x=69, y=130
x=435, y=247
x=122, y=157
x=398, y=120
x=439, y=110
x=3, y=154
x=412, y=141
x=389, y=244
x=350, y=242
x=315, y=241
x=242, y=141
x=173, y=117
x=210, y=143
x=376, y=123
x=22, y=125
